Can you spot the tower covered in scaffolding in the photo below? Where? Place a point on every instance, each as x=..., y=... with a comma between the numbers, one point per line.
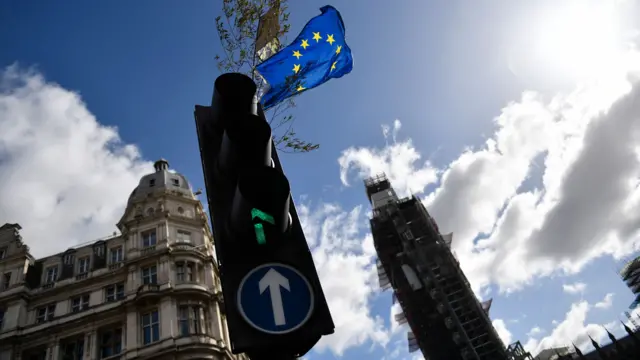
x=447, y=322
x=630, y=274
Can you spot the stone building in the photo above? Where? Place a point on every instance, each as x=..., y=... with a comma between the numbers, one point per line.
x=150, y=292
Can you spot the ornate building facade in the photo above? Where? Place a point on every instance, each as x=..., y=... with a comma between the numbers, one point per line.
x=626, y=348
x=151, y=292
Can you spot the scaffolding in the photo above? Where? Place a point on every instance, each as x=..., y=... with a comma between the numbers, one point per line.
x=438, y=304
x=630, y=274
x=516, y=351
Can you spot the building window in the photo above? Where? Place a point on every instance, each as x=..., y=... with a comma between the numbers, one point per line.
x=99, y=250
x=150, y=327
x=184, y=271
x=150, y=275
x=1, y=318
x=68, y=259
x=83, y=265
x=6, y=281
x=72, y=349
x=116, y=255
x=175, y=182
x=110, y=342
x=52, y=274
x=408, y=235
x=184, y=236
x=114, y=292
x=149, y=238
x=80, y=303
x=3, y=253
x=45, y=313
x=190, y=319
x=183, y=320
x=152, y=182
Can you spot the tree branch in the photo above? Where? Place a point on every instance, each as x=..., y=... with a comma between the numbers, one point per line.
x=237, y=35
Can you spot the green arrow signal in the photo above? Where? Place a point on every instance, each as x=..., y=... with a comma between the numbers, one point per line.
x=259, y=228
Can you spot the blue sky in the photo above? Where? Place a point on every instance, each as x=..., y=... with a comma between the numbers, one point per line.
x=496, y=113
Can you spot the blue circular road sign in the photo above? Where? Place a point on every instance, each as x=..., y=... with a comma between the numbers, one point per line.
x=275, y=298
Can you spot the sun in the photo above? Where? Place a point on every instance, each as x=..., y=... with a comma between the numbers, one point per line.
x=580, y=39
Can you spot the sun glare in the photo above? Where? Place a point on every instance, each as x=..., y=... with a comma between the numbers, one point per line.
x=579, y=39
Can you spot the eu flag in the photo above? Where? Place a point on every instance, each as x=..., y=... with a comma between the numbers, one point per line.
x=318, y=54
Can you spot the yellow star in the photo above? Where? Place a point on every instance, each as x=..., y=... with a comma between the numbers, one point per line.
x=333, y=66
x=304, y=44
x=316, y=36
x=296, y=68
x=300, y=88
x=338, y=49
x=297, y=54
x=330, y=39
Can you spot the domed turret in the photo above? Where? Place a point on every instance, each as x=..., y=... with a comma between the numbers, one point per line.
x=161, y=165
x=162, y=178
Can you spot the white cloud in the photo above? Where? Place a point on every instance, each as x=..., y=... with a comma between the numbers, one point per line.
x=395, y=351
x=508, y=234
x=572, y=330
x=576, y=288
x=535, y=331
x=396, y=160
x=502, y=330
x=345, y=262
x=63, y=176
x=606, y=302
x=386, y=130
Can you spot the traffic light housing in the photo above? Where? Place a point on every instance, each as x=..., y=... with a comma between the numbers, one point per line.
x=256, y=228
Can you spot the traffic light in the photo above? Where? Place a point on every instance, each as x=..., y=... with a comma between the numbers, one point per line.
x=274, y=302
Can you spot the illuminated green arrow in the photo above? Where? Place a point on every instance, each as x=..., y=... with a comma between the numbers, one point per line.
x=259, y=228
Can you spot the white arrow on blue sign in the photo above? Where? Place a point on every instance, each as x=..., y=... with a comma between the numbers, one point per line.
x=275, y=298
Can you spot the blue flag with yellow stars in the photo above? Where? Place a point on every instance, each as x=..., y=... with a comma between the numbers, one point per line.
x=318, y=54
